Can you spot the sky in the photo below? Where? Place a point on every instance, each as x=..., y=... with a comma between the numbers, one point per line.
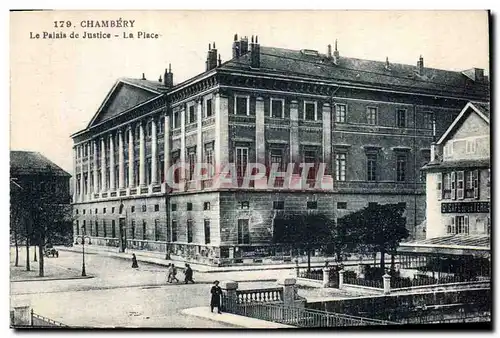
x=57, y=85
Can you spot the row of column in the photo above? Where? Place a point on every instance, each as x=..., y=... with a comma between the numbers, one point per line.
x=85, y=186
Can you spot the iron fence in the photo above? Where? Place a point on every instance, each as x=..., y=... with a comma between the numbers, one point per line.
x=364, y=282
x=399, y=282
x=311, y=274
x=297, y=316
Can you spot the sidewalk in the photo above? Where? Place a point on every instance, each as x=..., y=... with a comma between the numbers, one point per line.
x=158, y=258
x=228, y=318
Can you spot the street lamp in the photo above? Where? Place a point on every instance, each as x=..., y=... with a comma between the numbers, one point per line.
x=83, y=236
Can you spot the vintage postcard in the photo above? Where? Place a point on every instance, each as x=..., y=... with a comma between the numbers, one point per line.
x=250, y=169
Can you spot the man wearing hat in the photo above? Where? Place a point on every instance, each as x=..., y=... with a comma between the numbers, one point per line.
x=216, y=292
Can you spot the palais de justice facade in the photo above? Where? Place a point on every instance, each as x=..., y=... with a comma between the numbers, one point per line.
x=371, y=122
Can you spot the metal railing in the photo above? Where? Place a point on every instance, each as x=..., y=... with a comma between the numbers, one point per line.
x=364, y=282
x=41, y=321
x=400, y=283
x=312, y=274
x=299, y=317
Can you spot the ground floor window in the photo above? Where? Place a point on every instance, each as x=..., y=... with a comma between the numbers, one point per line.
x=174, y=230
x=458, y=225
x=207, y=231
x=243, y=232
x=190, y=231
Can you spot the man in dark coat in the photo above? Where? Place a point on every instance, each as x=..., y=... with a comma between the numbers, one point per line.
x=134, y=261
x=188, y=274
x=216, y=292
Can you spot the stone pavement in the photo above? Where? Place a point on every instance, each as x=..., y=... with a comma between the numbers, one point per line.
x=228, y=318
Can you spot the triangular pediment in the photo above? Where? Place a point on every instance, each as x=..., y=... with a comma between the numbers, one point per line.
x=122, y=97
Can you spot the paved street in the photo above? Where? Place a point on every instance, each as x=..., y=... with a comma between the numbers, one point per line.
x=118, y=295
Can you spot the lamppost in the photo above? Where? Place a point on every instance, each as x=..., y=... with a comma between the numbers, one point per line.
x=83, y=237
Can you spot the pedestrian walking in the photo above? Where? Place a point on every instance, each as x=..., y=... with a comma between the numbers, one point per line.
x=134, y=262
x=216, y=292
x=188, y=274
x=174, y=274
x=169, y=273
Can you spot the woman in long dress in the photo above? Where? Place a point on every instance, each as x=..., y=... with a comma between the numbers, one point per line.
x=134, y=262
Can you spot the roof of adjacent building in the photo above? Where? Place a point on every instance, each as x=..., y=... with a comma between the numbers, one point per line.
x=319, y=66
x=458, y=164
x=33, y=163
x=480, y=108
x=454, y=241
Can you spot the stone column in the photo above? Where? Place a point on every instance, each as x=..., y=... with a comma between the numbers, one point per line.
x=182, y=176
x=22, y=315
x=142, y=156
x=288, y=285
x=327, y=138
x=326, y=277
x=131, y=167
x=82, y=181
x=111, y=162
x=75, y=169
x=121, y=161
x=229, y=291
x=103, y=165
x=154, y=153
x=387, y=284
x=96, y=174
x=341, y=279
x=166, y=145
x=89, y=161
x=221, y=143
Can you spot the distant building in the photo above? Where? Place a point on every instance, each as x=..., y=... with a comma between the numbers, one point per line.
x=34, y=176
x=370, y=122
x=458, y=194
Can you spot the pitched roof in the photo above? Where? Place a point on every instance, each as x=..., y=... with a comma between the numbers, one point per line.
x=474, y=241
x=481, y=108
x=156, y=86
x=32, y=163
x=459, y=164
x=352, y=70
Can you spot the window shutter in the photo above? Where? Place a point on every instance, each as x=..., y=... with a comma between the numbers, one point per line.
x=460, y=185
x=453, y=185
x=476, y=184
x=452, y=222
x=466, y=225
x=439, y=186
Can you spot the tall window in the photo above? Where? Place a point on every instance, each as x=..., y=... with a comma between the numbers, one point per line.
x=161, y=168
x=133, y=229
x=241, y=160
x=77, y=228
x=458, y=225
x=148, y=170
x=460, y=185
x=96, y=229
x=161, y=125
x=189, y=231
x=209, y=158
x=192, y=114
x=310, y=111
x=157, y=230
x=401, y=118
x=243, y=232
x=428, y=120
x=176, y=120
x=371, y=115
x=174, y=230
x=149, y=129
x=310, y=157
x=401, y=168
x=144, y=237
x=84, y=228
x=241, y=105
x=340, y=113
x=470, y=146
x=277, y=157
x=371, y=168
x=340, y=166
x=207, y=231
x=192, y=162
x=104, y=230
x=277, y=108
x=117, y=176
x=446, y=185
x=208, y=108
x=136, y=173
x=113, y=229
x=469, y=184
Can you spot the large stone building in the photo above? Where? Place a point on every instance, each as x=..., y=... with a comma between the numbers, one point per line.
x=370, y=122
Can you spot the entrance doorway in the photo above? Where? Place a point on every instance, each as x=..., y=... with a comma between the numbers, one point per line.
x=123, y=235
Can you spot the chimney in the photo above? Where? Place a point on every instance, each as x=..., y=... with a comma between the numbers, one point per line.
x=479, y=74
x=329, y=54
x=160, y=79
x=244, y=46
x=255, y=53
x=420, y=66
x=211, y=62
x=143, y=76
x=387, y=65
x=219, y=61
x=168, y=77
x=336, y=54
x=236, y=47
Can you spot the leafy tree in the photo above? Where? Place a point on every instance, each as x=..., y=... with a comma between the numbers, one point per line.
x=308, y=231
x=376, y=228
